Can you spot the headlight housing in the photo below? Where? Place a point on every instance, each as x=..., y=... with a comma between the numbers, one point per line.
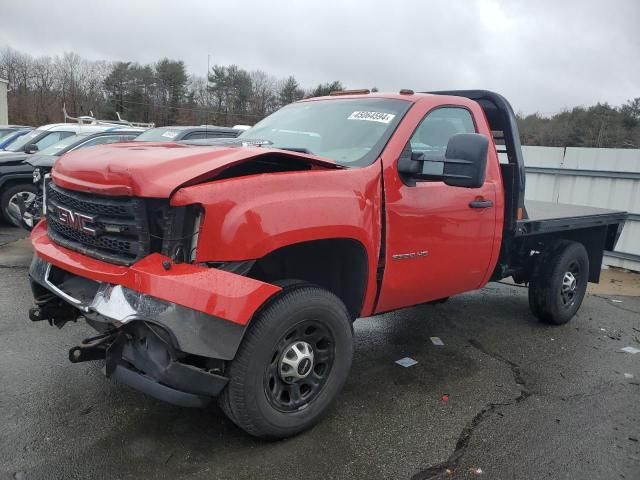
x=180, y=232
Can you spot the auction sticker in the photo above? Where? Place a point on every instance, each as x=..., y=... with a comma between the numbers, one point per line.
x=169, y=134
x=372, y=116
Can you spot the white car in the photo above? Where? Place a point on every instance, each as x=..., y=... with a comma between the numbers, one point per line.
x=47, y=135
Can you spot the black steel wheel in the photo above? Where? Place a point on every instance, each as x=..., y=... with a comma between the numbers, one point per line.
x=569, y=286
x=292, y=363
x=300, y=366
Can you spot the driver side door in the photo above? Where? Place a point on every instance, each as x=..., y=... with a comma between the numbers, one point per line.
x=437, y=243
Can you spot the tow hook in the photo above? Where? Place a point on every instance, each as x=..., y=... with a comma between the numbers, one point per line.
x=57, y=313
x=35, y=314
x=93, y=348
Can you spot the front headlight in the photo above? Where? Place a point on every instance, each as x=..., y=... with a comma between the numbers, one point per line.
x=37, y=175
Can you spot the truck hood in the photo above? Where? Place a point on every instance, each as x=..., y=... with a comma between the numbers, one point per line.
x=12, y=158
x=156, y=170
x=41, y=161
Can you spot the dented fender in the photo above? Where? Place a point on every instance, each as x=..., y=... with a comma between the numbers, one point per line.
x=248, y=217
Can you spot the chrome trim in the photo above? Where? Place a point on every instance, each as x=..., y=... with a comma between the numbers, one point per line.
x=410, y=255
x=77, y=303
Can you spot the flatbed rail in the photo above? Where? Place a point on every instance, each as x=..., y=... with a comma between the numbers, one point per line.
x=548, y=217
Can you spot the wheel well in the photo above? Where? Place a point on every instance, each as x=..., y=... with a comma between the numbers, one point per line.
x=15, y=181
x=594, y=240
x=339, y=265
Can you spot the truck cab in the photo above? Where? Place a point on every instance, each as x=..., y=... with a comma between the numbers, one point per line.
x=235, y=270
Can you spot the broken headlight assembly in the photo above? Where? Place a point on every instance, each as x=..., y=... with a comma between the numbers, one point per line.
x=181, y=227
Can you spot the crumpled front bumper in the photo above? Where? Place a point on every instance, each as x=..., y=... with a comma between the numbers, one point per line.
x=157, y=332
x=108, y=306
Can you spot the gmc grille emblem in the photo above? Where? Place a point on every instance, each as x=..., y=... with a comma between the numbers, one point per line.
x=75, y=221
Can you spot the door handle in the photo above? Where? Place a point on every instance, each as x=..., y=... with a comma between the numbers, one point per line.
x=481, y=203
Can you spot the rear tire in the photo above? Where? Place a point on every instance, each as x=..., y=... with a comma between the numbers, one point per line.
x=291, y=365
x=559, y=282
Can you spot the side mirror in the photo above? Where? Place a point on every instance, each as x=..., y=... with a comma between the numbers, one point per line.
x=463, y=164
x=31, y=148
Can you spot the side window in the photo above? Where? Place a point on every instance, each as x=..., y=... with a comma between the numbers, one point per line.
x=100, y=141
x=435, y=130
x=52, y=138
x=196, y=136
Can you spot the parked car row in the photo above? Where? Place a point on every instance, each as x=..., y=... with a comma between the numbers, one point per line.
x=28, y=154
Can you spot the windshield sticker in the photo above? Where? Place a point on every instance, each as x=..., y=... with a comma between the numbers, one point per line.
x=372, y=116
x=169, y=134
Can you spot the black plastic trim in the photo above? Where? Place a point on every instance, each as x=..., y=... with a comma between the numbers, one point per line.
x=149, y=386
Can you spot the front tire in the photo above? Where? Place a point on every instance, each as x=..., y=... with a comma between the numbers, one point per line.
x=559, y=282
x=291, y=365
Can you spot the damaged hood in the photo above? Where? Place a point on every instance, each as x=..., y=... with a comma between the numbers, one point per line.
x=157, y=169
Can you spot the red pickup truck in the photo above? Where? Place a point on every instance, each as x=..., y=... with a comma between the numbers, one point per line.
x=236, y=270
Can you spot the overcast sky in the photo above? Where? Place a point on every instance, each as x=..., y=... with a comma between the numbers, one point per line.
x=543, y=55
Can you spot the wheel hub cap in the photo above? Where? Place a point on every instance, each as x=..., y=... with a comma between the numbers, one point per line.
x=569, y=287
x=296, y=362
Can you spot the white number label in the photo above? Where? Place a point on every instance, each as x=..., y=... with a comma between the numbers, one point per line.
x=372, y=116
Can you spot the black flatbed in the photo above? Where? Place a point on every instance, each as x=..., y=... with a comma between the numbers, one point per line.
x=547, y=217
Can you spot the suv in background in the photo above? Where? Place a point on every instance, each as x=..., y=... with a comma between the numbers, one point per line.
x=19, y=197
x=176, y=133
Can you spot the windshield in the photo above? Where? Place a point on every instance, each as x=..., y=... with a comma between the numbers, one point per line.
x=4, y=132
x=158, y=135
x=58, y=147
x=351, y=132
x=20, y=142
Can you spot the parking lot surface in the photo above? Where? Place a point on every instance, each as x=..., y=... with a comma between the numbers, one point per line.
x=505, y=397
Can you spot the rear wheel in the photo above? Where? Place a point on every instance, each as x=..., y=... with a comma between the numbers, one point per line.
x=559, y=282
x=291, y=365
x=11, y=199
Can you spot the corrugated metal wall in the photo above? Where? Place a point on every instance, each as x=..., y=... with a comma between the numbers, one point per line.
x=598, y=177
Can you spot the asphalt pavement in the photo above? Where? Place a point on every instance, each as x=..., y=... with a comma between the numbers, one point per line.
x=505, y=397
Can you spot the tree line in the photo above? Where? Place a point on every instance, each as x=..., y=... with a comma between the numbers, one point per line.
x=167, y=94
x=600, y=125
x=163, y=92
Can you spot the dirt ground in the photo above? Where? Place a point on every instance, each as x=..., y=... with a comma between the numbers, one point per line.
x=616, y=281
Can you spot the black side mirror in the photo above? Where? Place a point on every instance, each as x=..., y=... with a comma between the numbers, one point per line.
x=464, y=163
x=31, y=148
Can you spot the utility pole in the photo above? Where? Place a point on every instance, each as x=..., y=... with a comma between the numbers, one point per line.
x=208, y=91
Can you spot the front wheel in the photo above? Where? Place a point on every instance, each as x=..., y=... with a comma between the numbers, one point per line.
x=14, y=198
x=291, y=365
x=559, y=282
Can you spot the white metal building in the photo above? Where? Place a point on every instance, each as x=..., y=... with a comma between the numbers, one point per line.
x=597, y=177
x=4, y=112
